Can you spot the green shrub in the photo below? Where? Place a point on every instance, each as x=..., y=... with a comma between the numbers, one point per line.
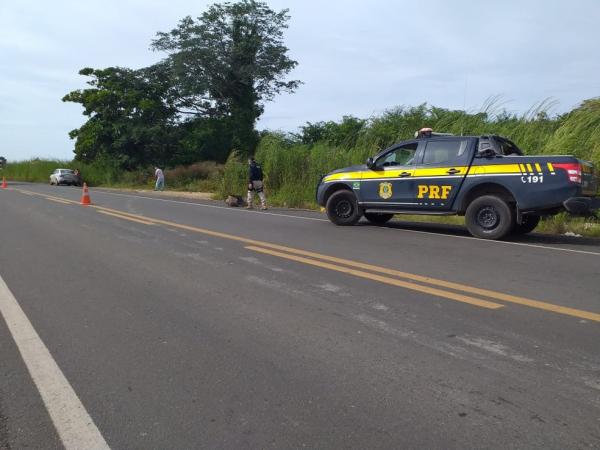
x=235, y=176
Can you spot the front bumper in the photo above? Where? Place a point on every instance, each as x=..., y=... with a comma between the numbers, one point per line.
x=582, y=205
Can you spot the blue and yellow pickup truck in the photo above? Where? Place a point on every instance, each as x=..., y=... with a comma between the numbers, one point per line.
x=485, y=178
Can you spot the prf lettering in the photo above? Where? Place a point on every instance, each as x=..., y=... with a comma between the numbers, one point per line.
x=432, y=191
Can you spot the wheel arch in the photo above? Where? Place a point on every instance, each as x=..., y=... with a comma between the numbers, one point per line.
x=333, y=189
x=486, y=188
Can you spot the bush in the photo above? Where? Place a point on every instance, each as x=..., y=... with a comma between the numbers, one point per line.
x=234, y=178
x=200, y=176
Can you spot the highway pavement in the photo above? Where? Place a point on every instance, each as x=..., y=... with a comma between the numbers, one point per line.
x=147, y=322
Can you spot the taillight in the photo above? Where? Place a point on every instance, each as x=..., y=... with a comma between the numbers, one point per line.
x=573, y=171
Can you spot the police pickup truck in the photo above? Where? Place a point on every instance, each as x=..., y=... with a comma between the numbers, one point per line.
x=487, y=179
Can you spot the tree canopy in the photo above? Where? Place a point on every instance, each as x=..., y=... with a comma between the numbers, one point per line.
x=200, y=102
x=228, y=63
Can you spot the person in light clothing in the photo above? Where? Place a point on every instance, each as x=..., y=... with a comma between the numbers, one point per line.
x=160, y=179
x=255, y=184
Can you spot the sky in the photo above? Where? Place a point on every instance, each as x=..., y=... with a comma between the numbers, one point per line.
x=355, y=58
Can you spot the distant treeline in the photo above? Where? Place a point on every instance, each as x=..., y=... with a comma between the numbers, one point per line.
x=293, y=162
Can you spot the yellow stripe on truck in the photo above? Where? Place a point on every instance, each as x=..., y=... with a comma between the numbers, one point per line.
x=502, y=168
x=429, y=172
x=440, y=171
x=343, y=176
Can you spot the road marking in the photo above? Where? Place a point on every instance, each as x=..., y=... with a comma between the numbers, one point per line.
x=455, y=286
x=381, y=279
x=64, y=202
x=471, y=238
x=227, y=208
x=48, y=197
x=72, y=422
x=124, y=217
x=448, y=284
x=389, y=228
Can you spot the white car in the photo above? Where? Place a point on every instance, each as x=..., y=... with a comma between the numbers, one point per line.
x=65, y=176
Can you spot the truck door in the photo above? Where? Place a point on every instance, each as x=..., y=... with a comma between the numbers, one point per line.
x=389, y=184
x=441, y=172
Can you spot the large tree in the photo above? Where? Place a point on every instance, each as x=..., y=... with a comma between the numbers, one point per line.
x=227, y=63
x=131, y=116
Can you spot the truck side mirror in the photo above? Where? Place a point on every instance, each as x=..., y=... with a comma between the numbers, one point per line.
x=370, y=163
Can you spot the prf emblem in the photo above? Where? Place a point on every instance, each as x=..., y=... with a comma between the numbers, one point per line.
x=432, y=191
x=385, y=190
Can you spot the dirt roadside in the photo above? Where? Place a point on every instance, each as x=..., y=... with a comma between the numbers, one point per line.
x=169, y=194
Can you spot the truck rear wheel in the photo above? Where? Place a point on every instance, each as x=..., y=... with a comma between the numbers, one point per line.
x=342, y=208
x=527, y=225
x=489, y=217
x=378, y=218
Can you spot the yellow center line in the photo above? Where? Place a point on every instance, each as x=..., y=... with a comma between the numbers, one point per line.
x=382, y=279
x=124, y=217
x=573, y=312
x=48, y=197
x=57, y=201
x=447, y=284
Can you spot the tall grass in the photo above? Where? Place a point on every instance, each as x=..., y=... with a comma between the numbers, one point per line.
x=294, y=163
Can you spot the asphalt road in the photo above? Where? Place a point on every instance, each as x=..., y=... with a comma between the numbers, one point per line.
x=181, y=324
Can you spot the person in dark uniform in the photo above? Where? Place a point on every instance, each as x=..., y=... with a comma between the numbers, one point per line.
x=255, y=184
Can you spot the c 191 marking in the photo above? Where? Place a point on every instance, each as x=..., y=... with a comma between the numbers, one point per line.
x=532, y=179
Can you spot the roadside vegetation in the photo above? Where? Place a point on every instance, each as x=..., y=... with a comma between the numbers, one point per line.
x=293, y=162
x=194, y=114
x=203, y=176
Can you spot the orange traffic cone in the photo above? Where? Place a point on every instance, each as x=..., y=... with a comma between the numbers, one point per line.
x=85, y=196
x=4, y=183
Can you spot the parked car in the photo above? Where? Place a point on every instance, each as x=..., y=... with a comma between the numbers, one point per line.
x=65, y=176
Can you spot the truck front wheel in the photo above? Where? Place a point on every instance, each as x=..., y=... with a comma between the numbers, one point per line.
x=527, y=225
x=342, y=208
x=489, y=217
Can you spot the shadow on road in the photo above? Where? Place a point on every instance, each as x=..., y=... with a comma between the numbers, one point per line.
x=457, y=230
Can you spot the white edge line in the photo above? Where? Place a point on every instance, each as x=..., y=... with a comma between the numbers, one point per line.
x=544, y=247
x=523, y=244
x=75, y=427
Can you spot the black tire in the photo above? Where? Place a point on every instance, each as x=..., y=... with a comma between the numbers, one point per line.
x=378, y=218
x=527, y=225
x=342, y=208
x=489, y=217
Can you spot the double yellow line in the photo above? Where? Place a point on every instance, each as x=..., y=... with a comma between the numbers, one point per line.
x=124, y=217
x=427, y=285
